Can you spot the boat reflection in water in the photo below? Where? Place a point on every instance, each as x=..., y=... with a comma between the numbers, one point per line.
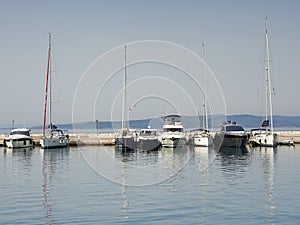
x=233, y=151
x=51, y=158
x=268, y=156
x=24, y=152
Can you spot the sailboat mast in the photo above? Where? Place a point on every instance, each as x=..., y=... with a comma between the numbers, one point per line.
x=205, y=124
x=46, y=89
x=124, y=92
x=50, y=87
x=268, y=81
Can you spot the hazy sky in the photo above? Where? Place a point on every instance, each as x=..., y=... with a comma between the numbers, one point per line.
x=83, y=31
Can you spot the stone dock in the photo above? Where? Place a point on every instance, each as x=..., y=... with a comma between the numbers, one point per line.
x=289, y=135
x=79, y=139
x=109, y=138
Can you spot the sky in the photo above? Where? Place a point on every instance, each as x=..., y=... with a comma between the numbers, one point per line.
x=163, y=40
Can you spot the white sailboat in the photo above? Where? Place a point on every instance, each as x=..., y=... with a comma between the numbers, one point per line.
x=127, y=138
x=202, y=137
x=55, y=138
x=265, y=136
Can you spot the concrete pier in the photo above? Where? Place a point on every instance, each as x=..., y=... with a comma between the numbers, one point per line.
x=109, y=138
x=289, y=135
x=78, y=139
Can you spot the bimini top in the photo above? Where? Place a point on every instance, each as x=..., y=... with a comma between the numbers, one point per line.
x=23, y=131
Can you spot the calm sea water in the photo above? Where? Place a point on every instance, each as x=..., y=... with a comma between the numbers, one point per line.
x=98, y=185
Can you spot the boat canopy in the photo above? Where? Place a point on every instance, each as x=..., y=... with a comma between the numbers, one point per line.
x=23, y=131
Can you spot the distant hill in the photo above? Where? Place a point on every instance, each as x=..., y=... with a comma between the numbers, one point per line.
x=251, y=121
x=189, y=122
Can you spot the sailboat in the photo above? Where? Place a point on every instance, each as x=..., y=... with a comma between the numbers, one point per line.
x=201, y=136
x=55, y=138
x=127, y=138
x=265, y=136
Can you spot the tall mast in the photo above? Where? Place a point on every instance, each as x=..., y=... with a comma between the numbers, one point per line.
x=46, y=89
x=268, y=81
x=124, y=92
x=50, y=87
x=205, y=124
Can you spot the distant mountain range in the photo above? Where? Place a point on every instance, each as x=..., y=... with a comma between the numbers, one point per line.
x=189, y=122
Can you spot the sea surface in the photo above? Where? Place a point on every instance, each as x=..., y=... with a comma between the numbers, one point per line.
x=101, y=185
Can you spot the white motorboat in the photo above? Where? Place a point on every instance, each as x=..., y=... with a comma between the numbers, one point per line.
x=289, y=142
x=55, y=138
x=173, y=135
x=231, y=135
x=264, y=136
x=127, y=138
x=19, y=138
x=148, y=139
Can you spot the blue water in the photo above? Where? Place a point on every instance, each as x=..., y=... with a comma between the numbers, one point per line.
x=98, y=185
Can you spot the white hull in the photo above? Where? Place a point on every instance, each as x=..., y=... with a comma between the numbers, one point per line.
x=19, y=143
x=54, y=142
x=19, y=138
x=173, y=140
x=263, y=140
x=201, y=140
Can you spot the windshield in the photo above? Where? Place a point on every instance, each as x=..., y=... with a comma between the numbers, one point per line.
x=148, y=133
x=173, y=129
x=172, y=119
x=20, y=132
x=234, y=128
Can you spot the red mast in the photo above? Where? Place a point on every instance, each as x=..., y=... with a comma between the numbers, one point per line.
x=47, y=78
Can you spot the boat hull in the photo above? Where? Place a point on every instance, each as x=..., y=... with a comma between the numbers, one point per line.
x=230, y=140
x=173, y=141
x=22, y=142
x=148, y=144
x=263, y=140
x=126, y=143
x=54, y=142
x=201, y=140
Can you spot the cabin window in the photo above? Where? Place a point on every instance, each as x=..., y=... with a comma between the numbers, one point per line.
x=234, y=128
x=173, y=129
x=173, y=119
